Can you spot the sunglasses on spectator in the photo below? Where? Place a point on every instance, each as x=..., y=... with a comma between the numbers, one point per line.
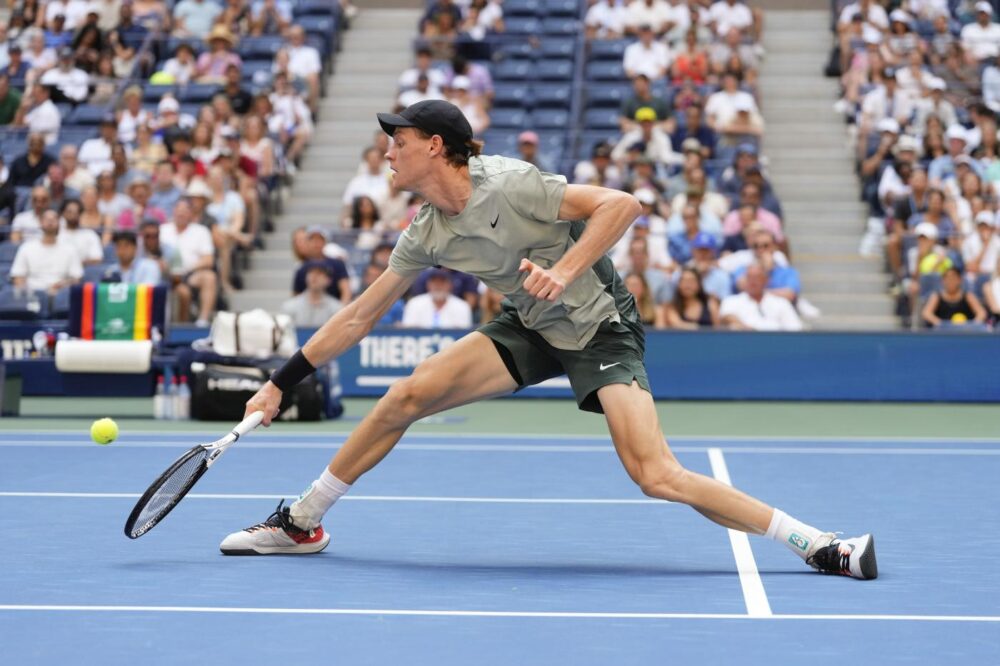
x=762, y=246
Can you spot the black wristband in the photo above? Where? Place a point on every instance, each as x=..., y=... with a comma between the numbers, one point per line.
x=292, y=372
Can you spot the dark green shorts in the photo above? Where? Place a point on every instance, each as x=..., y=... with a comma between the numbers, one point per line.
x=613, y=356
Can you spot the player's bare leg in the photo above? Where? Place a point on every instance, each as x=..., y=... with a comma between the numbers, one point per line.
x=635, y=431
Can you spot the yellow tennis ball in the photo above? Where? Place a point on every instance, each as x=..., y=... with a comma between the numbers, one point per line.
x=104, y=431
x=959, y=318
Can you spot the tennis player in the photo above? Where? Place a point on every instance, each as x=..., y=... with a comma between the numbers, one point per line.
x=542, y=243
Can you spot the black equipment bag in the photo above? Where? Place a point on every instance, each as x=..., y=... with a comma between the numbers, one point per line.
x=220, y=392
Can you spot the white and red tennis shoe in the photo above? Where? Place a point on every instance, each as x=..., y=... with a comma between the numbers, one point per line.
x=846, y=557
x=277, y=535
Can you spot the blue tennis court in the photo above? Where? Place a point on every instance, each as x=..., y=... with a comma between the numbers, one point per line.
x=487, y=549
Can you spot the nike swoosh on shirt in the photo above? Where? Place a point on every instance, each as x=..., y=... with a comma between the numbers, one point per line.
x=605, y=367
x=493, y=224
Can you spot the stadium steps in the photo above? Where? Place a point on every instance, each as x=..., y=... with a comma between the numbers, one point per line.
x=812, y=169
x=375, y=51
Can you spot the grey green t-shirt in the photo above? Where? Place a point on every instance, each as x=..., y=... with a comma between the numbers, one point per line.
x=513, y=214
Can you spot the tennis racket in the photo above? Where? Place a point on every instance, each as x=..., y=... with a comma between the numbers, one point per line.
x=171, y=486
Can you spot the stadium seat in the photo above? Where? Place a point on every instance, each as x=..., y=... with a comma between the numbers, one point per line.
x=605, y=70
x=500, y=141
x=264, y=46
x=558, y=8
x=197, y=92
x=508, y=118
x=257, y=72
x=21, y=305
x=589, y=138
x=512, y=70
x=87, y=114
x=600, y=119
x=560, y=26
x=553, y=95
x=191, y=109
x=109, y=254
x=558, y=47
x=554, y=70
x=94, y=272
x=513, y=8
x=516, y=95
x=551, y=141
x=607, y=94
x=549, y=119
x=59, y=308
x=193, y=42
x=155, y=92
x=608, y=49
x=8, y=251
x=314, y=8
x=522, y=25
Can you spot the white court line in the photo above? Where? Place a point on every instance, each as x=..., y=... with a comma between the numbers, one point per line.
x=354, y=498
x=278, y=434
x=497, y=614
x=753, y=588
x=523, y=448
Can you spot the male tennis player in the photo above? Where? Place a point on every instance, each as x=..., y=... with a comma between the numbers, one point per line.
x=542, y=243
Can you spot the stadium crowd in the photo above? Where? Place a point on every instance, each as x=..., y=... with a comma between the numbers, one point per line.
x=921, y=94
x=147, y=141
x=708, y=251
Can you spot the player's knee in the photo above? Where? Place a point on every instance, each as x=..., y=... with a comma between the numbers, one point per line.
x=662, y=479
x=407, y=400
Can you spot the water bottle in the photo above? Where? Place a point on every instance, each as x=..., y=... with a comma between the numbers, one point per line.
x=171, y=401
x=182, y=401
x=159, y=409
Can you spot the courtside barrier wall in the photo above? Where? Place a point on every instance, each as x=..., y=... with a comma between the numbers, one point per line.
x=712, y=365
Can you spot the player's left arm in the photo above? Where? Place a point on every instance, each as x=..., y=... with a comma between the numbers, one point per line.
x=608, y=213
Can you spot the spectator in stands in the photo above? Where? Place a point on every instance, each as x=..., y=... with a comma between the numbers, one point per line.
x=914, y=78
x=981, y=248
x=650, y=315
x=130, y=267
x=599, y=170
x=304, y=62
x=482, y=17
x=722, y=106
x=734, y=222
x=110, y=201
x=724, y=16
x=372, y=182
x=692, y=307
x=606, y=19
x=473, y=108
x=211, y=65
x=270, y=17
x=690, y=64
x=291, y=120
x=704, y=259
x=40, y=57
x=27, y=225
x=312, y=250
x=884, y=103
x=422, y=92
x=182, y=68
x=89, y=41
x=151, y=248
x=708, y=221
x=746, y=125
x=638, y=262
x=226, y=206
x=643, y=177
x=647, y=56
x=55, y=182
x=952, y=305
x=77, y=176
x=32, y=165
x=901, y=42
x=933, y=104
x=697, y=181
x=480, y=80
x=85, y=241
x=649, y=226
x=733, y=46
x=642, y=97
x=67, y=82
x=92, y=218
x=653, y=13
x=314, y=306
x=239, y=96
x=527, y=149
x=103, y=81
x=755, y=309
x=17, y=68
x=198, y=194
x=680, y=244
x=194, y=18
x=5, y=44
x=981, y=39
x=121, y=171
x=39, y=114
x=440, y=34
x=438, y=308
x=653, y=140
x=364, y=221
x=95, y=154
x=139, y=191
x=45, y=264
x=10, y=101
x=943, y=168
x=131, y=30
x=991, y=85
x=165, y=193
x=782, y=280
x=131, y=115
x=146, y=153
x=256, y=146
x=196, y=254
x=694, y=130
x=423, y=65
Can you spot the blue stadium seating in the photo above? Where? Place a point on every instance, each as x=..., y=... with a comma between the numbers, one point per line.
x=314, y=8
x=601, y=119
x=522, y=26
x=558, y=95
x=589, y=138
x=511, y=94
x=193, y=42
x=605, y=70
x=512, y=70
x=554, y=70
x=94, y=272
x=257, y=71
x=607, y=94
x=558, y=7
x=17, y=305
x=197, y=92
x=265, y=46
x=87, y=114
x=155, y=92
x=560, y=26
x=512, y=119
x=558, y=47
x=499, y=141
x=608, y=49
x=513, y=8
x=549, y=119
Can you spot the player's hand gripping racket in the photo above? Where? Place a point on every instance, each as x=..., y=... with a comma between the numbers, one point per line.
x=171, y=486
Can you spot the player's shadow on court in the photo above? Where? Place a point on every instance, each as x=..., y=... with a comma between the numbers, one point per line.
x=568, y=569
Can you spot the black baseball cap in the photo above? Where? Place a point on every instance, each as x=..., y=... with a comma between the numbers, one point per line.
x=433, y=117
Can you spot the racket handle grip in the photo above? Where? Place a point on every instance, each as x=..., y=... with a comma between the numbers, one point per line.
x=249, y=423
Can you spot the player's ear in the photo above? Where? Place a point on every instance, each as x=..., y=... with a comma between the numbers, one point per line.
x=435, y=146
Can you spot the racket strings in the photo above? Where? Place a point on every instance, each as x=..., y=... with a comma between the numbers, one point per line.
x=172, y=488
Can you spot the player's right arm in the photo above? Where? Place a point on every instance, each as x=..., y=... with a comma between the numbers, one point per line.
x=341, y=332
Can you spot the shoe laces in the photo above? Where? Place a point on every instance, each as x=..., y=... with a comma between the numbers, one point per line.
x=280, y=518
x=834, y=558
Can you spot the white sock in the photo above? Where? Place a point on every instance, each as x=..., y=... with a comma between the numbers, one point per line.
x=308, y=510
x=798, y=537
